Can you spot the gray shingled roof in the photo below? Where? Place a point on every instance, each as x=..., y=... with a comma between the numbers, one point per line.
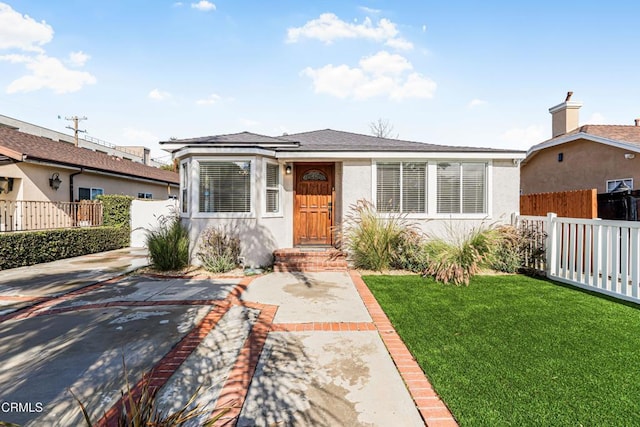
x=22, y=146
x=242, y=138
x=327, y=140
x=333, y=140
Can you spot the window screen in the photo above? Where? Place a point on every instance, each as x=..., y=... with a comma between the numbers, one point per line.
x=225, y=187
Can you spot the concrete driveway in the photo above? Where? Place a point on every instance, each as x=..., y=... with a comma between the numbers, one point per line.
x=280, y=349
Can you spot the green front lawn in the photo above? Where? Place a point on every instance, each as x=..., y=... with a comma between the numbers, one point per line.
x=512, y=350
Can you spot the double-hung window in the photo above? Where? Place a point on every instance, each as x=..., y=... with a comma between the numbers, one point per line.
x=401, y=187
x=272, y=190
x=462, y=188
x=225, y=187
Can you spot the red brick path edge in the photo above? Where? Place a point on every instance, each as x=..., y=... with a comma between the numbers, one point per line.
x=433, y=410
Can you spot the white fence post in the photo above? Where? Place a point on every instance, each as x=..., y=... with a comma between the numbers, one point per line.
x=551, y=247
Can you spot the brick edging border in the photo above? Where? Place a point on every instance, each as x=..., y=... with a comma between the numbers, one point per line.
x=433, y=410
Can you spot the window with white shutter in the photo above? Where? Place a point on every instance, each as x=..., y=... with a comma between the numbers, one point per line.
x=401, y=187
x=272, y=199
x=462, y=188
x=225, y=186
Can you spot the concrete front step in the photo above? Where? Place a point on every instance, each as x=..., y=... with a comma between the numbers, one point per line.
x=309, y=259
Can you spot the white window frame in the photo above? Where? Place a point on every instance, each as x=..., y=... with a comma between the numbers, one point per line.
x=186, y=183
x=195, y=188
x=264, y=189
x=145, y=196
x=617, y=182
x=426, y=187
x=431, y=189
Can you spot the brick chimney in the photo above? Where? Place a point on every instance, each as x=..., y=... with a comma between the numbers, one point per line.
x=564, y=117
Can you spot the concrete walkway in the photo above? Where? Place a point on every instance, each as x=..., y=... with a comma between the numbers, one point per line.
x=276, y=350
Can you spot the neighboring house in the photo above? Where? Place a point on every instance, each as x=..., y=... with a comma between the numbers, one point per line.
x=295, y=190
x=604, y=157
x=40, y=169
x=137, y=153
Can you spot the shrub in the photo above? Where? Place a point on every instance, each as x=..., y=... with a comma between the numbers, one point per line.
x=219, y=251
x=116, y=210
x=457, y=258
x=33, y=247
x=168, y=244
x=374, y=241
x=412, y=254
x=508, y=255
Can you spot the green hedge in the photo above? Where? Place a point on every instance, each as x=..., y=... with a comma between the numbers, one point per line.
x=34, y=247
x=116, y=210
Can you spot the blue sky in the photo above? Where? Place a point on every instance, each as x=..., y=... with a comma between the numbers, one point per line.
x=455, y=73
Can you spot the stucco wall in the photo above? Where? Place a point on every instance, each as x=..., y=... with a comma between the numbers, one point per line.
x=34, y=183
x=584, y=165
x=146, y=215
x=261, y=235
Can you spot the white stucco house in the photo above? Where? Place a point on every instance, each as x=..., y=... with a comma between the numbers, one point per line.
x=295, y=190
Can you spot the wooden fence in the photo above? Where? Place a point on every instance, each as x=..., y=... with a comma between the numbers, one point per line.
x=599, y=255
x=26, y=215
x=569, y=204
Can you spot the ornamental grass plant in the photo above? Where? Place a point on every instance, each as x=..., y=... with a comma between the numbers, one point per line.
x=168, y=244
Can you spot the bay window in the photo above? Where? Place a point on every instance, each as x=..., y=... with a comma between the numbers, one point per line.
x=225, y=186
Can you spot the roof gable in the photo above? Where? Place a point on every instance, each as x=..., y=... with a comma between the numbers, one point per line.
x=23, y=147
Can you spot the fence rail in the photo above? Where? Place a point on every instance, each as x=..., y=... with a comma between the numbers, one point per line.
x=26, y=215
x=599, y=255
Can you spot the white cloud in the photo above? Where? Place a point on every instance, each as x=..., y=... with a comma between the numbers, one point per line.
x=210, y=100
x=158, y=95
x=476, y=103
x=48, y=73
x=178, y=4
x=524, y=137
x=384, y=62
x=424, y=28
x=382, y=74
x=399, y=43
x=328, y=28
x=139, y=136
x=596, y=119
x=78, y=59
x=369, y=10
x=204, y=6
x=19, y=31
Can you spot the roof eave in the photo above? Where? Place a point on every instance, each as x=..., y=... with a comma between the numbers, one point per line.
x=577, y=136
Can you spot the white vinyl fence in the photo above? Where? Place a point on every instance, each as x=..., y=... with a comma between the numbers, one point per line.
x=599, y=255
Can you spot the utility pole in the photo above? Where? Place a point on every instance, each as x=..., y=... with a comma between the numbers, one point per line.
x=74, y=128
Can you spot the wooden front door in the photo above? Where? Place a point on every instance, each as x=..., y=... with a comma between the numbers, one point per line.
x=313, y=216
